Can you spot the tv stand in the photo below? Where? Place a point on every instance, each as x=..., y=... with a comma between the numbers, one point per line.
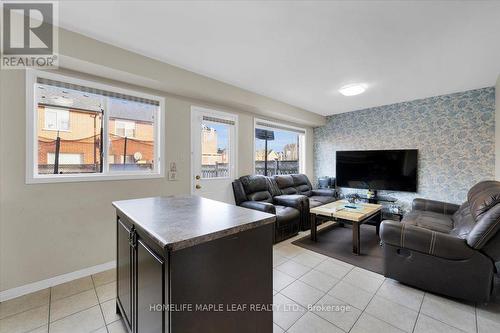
x=377, y=198
x=381, y=199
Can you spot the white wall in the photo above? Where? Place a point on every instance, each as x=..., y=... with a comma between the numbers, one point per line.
x=52, y=229
x=497, y=130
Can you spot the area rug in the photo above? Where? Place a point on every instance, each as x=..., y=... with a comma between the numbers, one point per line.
x=336, y=242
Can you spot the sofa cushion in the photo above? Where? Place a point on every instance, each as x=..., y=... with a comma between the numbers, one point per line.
x=285, y=184
x=256, y=188
x=424, y=240
x=429, y=220
x=285, y=215
x=483, y=196
x=484, y=202
x=462, y=221
x=302, y=184
x=317, y=200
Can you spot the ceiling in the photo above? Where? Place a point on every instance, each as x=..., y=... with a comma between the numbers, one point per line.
x=301, y=53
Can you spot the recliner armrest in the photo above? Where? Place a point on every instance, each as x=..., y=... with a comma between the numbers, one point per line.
x=324, y=192
x=424, y=240
x=265, y=207
x=290, y=200
x=434, y=206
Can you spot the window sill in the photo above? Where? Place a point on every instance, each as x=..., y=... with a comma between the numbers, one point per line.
x=47, y=179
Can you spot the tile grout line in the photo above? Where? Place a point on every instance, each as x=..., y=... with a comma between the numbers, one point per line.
x=324, y=294
x=364, y=310
x=418, y=313
x=28, y=309
x=475, y=317
x=90, y=307
x=401, y=305
x=439, y=320
x=327, y=294
x=279, y=327
x=75, y=312
x=50, y=301
x=296, y=320
x=99, y=304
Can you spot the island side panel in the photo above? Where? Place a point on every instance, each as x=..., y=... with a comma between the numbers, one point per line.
x=124, y=272
x=141, y=279
x=235, y=272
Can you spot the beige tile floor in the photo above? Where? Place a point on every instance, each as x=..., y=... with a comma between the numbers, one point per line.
x=312, y=293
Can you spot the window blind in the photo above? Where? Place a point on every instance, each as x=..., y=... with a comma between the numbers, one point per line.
x=279, y=127
x=219, y=120
x=95, y=91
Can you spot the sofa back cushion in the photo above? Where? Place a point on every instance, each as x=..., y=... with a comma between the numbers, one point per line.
x=239, y=192
x=462, y=221
x=285, y=184
x=484, y=203
x=256, y=188
x=302, y=184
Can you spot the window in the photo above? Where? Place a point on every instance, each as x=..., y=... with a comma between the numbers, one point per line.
x=56, y=120
x=82, y=130
x=279, y=149
x=215, y=149
x=125, y=128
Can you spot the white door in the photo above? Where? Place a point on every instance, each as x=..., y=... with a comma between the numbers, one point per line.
x=213, y=155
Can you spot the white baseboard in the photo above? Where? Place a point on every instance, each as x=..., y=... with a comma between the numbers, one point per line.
x=39, y=285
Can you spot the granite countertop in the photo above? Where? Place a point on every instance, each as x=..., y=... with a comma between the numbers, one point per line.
x=178, y=222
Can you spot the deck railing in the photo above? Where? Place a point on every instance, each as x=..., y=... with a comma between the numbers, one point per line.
x=277, y=167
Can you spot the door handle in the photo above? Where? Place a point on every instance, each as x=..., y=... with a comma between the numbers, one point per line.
x=197, y=177
x=198, y=186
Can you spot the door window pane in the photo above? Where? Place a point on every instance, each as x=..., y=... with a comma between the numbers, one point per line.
x=215, y=152
x=277, y=152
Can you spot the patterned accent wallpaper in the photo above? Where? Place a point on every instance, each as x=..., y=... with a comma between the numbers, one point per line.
x=454, y=135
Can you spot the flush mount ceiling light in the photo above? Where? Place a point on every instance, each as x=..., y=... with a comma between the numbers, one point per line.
x=353, y=89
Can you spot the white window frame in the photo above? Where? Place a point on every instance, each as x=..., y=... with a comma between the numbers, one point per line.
x=283, y=127
x=57, y=112
x=32, y=176
x=233, y=160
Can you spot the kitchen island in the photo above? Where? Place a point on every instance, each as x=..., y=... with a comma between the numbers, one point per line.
x=190, y=264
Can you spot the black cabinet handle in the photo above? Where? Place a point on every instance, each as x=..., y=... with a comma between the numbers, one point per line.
x=132, y=240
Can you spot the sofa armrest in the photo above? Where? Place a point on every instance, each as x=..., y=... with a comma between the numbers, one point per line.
x=290, y=200
x=265, y=207
x=424, y=240
x=324, y=192
x=434, y=206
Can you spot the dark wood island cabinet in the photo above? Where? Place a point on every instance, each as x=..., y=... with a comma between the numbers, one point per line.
x=189, y=264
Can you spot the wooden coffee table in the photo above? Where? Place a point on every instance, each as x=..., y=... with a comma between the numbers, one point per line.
x=337, y=210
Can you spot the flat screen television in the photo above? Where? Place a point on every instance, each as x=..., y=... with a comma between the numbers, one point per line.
x=391, y=170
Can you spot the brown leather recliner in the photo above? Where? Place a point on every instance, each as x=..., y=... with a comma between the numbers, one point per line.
x=300, y=184
x=259, y=193
x=446, y=248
